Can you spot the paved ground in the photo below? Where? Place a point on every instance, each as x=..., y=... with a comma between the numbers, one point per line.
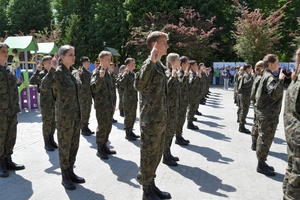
x=218, y=164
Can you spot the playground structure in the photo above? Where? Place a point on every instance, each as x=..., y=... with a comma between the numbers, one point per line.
x=29, y=98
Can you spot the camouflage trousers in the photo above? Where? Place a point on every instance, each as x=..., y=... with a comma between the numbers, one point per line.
x=291, y=181
x=181, y=117
x=104, y=118
x=129, y=114
x=244, y=104
x=86, y=107
x=8, y=134
x=48, y=118
x=68, y=133
x=152, y=141
x=121, y=105
x=171, y=128
x=266, y=131
x=192, y=109
x=254, y=132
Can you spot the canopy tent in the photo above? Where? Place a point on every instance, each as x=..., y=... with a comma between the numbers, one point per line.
x=23, y=43
x=46, y=48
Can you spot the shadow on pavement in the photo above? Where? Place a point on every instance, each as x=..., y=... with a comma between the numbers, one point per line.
x=54, y=160
x=208, y=183
x=213, y=117
x=282, y=156
x=125, y=170
x=214, y=135
x=210, y=154
x=211, y=124
x=30, y=117
x=279, y=141
x=279, y=177
x=83, y=193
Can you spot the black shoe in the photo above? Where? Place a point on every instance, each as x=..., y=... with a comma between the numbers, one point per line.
x=108, y=151
x=85, y=131
x=66, y=180
x=191, y=126
x=3, y=170
x=133, y=134
x=180, y=141
x=101, y=153
x=270, y=167
x=159, y=193
x=198, y=113
x=194, y=119
x=242, y=129
x=202, y=103
x=253, y=146
x=129, y=136
x=114, y=121
x=263, y=168
x=52, y=142
x=74, y=177
x=149, y=194
x=48, y=145
x=172, y=157
x=206, y=96
x=121, y=113
x=89, y=130
x=10, y=165
x=167, y=159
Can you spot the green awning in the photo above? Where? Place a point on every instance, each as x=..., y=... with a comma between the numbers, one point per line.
x=46, y=48
x=21, y=43
x=112, y=51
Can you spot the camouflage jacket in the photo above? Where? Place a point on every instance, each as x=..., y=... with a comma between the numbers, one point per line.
x=102, y=89
x=9, y=97
x=245, y=84
x=269, y=95
x=85, y=77
x=66, y=84
x=184, y=86
x=36, y=78
x=194, y=86
x=126, y=82
x=113, y=78
x=291, y=115
x=151, y=83
x=254, y=88
x=46, y=97
x=173, y=94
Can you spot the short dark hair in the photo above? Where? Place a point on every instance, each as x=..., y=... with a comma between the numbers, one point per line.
x=128, y=60
x=84, y=59
x=270, y=58
x=122, y=67
x=46, y=58
x=246, y=66
x=102, y=54
x=153, y=37
x=183, y=59
x=192, y=62
x=15, y=51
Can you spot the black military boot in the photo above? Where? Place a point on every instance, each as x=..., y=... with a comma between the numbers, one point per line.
x=167, y=159
x=74, y=177
x=108, y=151
x=48, y=145
x=122, y=113
x=101, y=152
x=159, y=193
x=253, y=146
x=172, y=157
x=198, y=113
x=129, y=136
x=85, y=131
x=89, y=130
x=114, y=121
x=180, y=140
x=148, y=193
x=66, y=180
x=52, y=142
x=133, y=134
x=10, y=165
x=194, y=119
x=3, y=170
x=263, y=168
x=191, y=126
x=242, y=129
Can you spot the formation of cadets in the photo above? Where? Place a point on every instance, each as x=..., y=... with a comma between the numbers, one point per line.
x=168, y=95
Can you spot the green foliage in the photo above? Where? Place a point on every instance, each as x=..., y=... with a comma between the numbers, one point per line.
x=3, y=16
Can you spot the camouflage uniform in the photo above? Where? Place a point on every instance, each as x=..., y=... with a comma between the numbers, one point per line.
x=120, y=92
x=268, y=102
x=173, y=107
x=85, y=97
x=151, y=83
x=244, y=91
x=103, y=94
x=9, y=107
x=291, y=186
x=194, y=95
x=236, y=83
x=183, y=101
x=129, y=99
x=203, y=85
x=254, y=132
x=47, y=102
x=114, y=92
x=66, y=85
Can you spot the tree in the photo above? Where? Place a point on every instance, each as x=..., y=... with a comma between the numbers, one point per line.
x=27, y=15
x=256, y=35
x=3, y=16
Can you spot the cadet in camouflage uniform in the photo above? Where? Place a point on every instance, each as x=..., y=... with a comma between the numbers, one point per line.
x=204, y=84
x=194, y=93
x=235, y=82
x=120, y=91
x=291, y=116
x=9, y=107
x=239, y=76
x=244, y=91
x=129, y=99
x=47, y=103
x=259, y=69
x=85, y=96
x=173, y=64
x=66, y=85
x=183, y=77
x=104, y=102
x=151, y=83
x=111, y=69
x=268, y=102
